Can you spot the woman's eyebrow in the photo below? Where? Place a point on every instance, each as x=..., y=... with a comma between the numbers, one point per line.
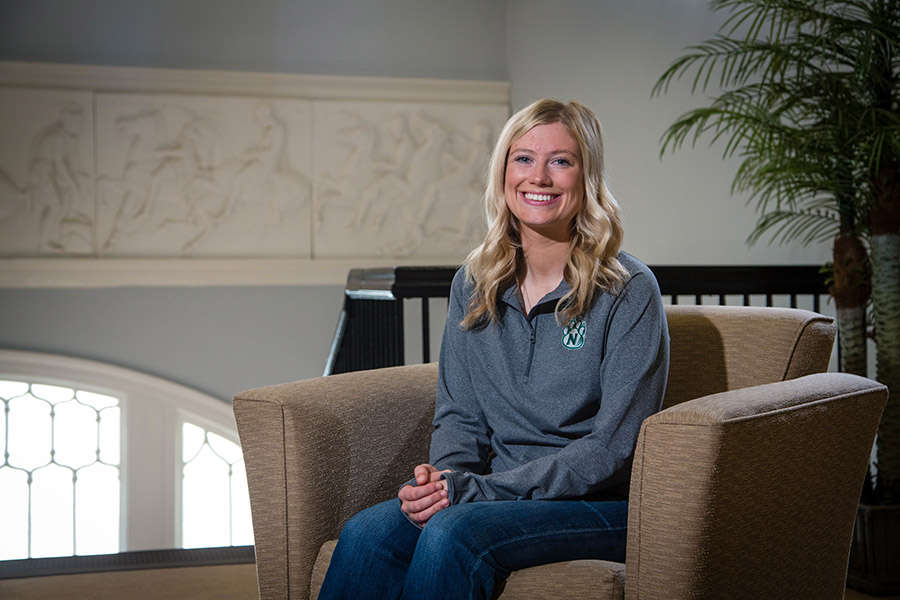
x=562, y=151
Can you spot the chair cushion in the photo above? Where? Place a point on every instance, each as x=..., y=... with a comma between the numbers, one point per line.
x=595, y=579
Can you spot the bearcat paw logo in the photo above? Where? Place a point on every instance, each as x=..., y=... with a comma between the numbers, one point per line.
x=573, y=334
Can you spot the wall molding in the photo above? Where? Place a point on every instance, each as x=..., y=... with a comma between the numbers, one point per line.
x=196, y=81
x=85, y=273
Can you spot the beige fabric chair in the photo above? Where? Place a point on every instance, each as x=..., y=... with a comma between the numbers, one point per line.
x=745, y=486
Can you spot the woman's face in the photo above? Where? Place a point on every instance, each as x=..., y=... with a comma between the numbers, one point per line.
x=544, y=184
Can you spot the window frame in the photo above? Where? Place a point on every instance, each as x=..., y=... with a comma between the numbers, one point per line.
x=152, y=411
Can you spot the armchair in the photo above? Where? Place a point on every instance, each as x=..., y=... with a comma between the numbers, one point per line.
x=744, y=486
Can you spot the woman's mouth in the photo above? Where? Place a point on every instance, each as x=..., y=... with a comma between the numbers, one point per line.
x=534, y=198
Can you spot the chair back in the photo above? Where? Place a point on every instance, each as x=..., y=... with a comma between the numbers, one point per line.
x=719, y=348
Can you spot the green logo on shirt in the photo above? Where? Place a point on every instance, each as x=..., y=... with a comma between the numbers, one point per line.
x=573, y=334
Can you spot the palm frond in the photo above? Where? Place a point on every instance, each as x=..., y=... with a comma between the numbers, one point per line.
x=788, y=225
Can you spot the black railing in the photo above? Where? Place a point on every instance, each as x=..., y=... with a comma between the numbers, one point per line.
x=370, y=331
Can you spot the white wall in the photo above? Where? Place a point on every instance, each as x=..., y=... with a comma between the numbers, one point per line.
x=608, y=54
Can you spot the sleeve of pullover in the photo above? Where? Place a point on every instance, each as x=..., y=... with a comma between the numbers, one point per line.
x=633, y=376
x=461, y=438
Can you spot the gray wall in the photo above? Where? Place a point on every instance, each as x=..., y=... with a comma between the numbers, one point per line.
x=462, y=39
x=606, y=53
x=218, y=340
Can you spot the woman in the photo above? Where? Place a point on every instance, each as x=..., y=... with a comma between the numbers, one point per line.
x=554, y=352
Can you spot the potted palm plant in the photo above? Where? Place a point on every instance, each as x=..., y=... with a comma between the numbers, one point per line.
x=809, y=101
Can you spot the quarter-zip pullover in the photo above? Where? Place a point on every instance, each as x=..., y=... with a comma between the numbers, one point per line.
x=535, y=409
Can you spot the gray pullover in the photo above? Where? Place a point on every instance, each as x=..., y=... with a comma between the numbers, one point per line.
x=534, y=409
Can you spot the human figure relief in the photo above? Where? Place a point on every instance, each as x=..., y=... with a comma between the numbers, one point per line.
x=264, y=174
x=389, y=186
x=342, y=189
x=449, y=201
x=181, y=189
x=131, y=195
x=58, y=190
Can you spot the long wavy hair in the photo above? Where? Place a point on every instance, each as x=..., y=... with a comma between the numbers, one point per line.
x=596, y=235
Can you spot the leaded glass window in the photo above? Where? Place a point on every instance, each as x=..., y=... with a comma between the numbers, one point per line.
x=102, y=459
x=215, y=502
x=60, y=473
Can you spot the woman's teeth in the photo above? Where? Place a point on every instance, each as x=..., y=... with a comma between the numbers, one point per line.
x=539, y=197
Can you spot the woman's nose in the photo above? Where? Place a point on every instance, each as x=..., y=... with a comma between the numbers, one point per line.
x=540, y=175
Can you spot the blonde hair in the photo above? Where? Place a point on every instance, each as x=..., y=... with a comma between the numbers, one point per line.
x=596, y=230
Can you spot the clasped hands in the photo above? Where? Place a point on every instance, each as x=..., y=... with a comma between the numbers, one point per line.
x=422, y=501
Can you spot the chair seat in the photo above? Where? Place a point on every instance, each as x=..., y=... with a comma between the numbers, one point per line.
x=598, y=579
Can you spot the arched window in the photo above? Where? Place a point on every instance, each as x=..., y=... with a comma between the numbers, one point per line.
x=99, y=459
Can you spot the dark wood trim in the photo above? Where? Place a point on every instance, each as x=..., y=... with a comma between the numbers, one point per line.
x=125, y=561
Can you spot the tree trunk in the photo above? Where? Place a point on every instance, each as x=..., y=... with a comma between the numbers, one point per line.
x=850, y=291
x=884, y=221
x=886, y=303
x=851, y=324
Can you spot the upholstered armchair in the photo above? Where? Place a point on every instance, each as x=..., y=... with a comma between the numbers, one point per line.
x=744, y=486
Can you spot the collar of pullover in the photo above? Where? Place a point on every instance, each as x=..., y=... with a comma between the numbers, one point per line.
x=511, y=297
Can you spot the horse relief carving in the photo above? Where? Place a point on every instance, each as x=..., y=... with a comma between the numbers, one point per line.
x=180, y=175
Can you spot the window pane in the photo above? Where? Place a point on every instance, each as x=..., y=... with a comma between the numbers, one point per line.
x=74, y=434
x=97, y=401
x=206, y=511
x=14, y=511
x=241, y=521
x=192, y=439
x=11, y=389
x=97, y=510
x=52, y=510
x=228, y=450
x=3, y=430
x=29, y=432
x=110, y=437
x=52, y=393
x=215, y=500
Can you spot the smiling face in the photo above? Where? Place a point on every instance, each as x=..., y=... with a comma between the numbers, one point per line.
x=544, y=182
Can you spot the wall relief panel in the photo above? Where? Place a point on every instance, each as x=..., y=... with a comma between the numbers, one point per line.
x=400, y=180
x=100, y=162
x=202, y=176
x=46, y=172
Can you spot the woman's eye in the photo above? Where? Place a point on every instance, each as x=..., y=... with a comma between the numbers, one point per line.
x=521, y=159
x=563, y=162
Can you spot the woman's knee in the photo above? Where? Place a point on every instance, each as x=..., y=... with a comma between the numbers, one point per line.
x=453, y=527
x=374, y=523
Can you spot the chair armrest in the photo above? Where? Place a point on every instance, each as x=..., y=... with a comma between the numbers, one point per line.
x=751, y=493
x=318, y=451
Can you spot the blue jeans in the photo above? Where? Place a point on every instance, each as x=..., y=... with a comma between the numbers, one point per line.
x=467, y=550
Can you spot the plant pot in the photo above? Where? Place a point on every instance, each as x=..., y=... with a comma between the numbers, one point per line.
x=875, y=550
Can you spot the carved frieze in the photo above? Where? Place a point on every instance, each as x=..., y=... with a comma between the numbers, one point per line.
x=179, y=173
x=400, y=179
x=202, y=176
x=46, y=172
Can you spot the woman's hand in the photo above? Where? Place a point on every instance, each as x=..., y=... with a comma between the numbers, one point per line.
x=427, y=497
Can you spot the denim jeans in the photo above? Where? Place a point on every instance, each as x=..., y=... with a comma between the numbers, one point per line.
x=467, y=550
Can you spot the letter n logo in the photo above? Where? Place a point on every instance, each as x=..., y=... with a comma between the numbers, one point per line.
x=573, y=334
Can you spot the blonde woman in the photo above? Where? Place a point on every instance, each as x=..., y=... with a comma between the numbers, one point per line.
x=554, y=352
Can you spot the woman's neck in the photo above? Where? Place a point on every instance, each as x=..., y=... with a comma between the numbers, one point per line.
x=543, y=267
